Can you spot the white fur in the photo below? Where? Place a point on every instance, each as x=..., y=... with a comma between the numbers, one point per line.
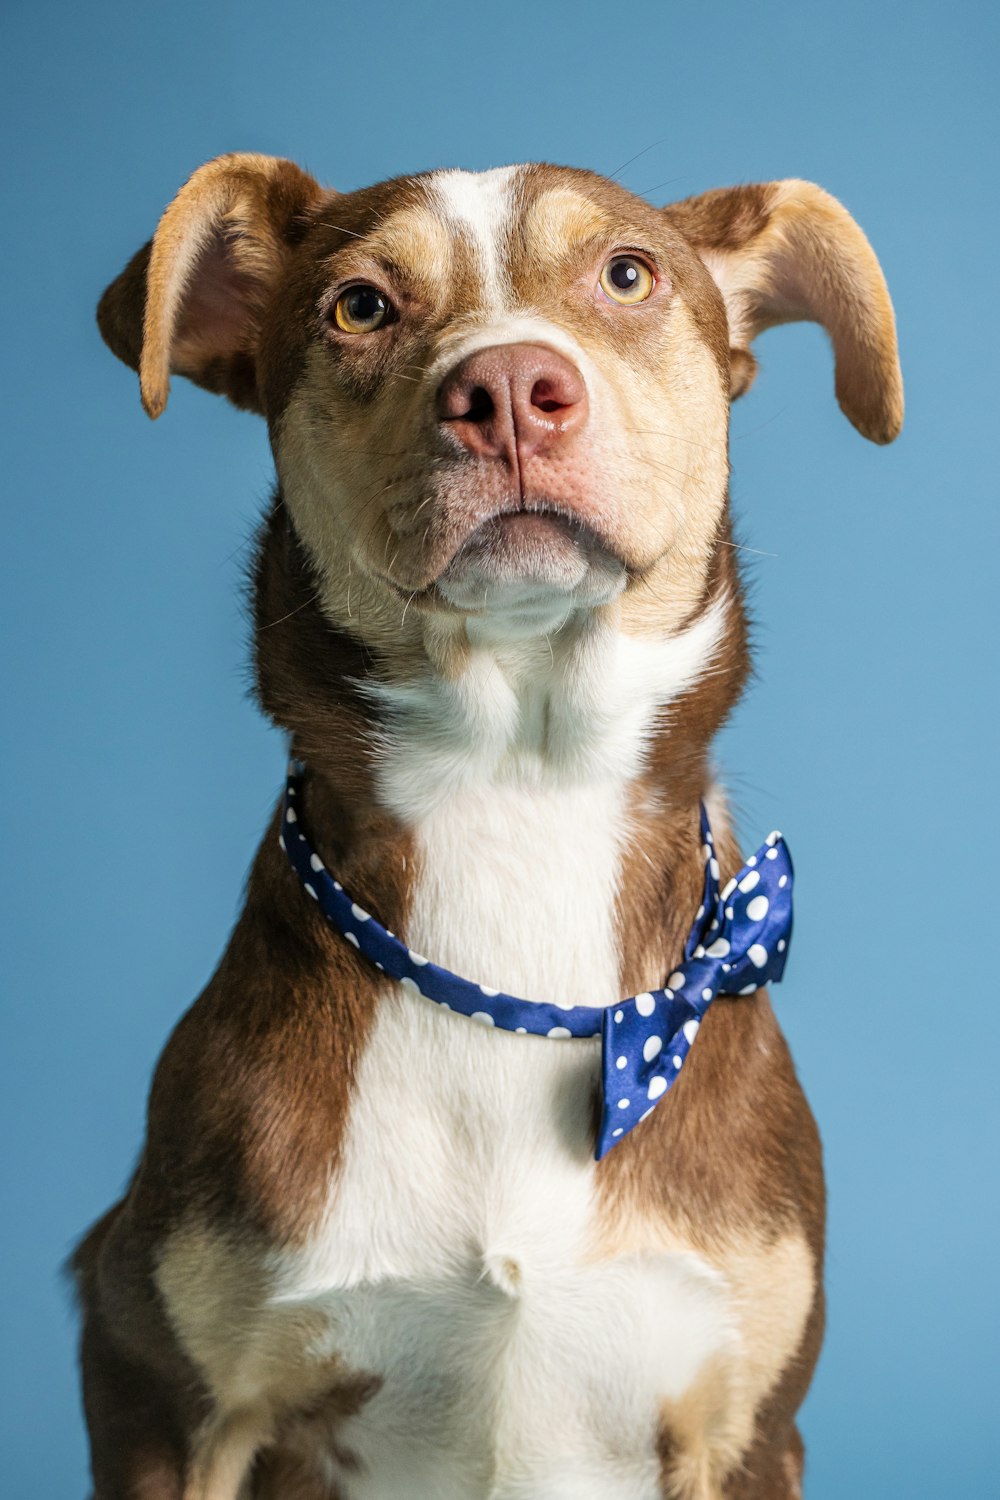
x=459, y=1258
x=480, y=202
x=457, y=1262
x=573, y=709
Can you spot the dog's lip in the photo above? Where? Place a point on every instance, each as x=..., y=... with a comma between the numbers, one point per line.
x=542, y=518
x=560, y=520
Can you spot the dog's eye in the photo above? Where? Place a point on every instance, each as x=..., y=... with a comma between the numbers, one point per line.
x=361, y=309
x=626, y=279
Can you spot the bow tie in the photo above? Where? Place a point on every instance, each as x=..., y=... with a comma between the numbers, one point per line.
x=739, y=942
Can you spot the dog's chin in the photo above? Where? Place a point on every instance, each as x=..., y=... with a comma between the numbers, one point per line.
x=527, y=572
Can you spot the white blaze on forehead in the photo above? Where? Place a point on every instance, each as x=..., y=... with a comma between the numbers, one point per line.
x=479, y=203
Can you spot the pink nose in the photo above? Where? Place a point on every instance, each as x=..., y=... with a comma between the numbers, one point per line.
x=512, y=401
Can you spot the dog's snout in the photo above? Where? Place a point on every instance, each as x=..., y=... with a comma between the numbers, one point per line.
x=513, y=401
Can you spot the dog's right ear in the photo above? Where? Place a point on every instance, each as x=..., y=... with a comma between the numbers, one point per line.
x=191, y=300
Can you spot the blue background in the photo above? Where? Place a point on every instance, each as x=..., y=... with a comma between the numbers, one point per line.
x=866, y=735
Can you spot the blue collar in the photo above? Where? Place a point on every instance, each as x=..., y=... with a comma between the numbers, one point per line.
x=739, y=942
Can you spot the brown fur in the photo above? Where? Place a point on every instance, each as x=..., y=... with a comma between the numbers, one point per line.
x=250, y=1098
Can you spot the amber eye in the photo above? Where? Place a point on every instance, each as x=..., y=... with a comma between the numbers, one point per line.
x=361, y=309
x=626, y=279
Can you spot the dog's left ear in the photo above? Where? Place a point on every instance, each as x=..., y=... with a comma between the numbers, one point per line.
x=191, y=300
x=782, y=252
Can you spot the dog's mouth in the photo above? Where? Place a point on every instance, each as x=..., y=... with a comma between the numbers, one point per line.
x=517, y=555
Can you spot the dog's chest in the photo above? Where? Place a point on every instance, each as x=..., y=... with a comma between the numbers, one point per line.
x=461, y=1259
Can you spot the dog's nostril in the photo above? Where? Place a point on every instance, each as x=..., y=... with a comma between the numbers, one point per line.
x=544, y=397
x=481, y=406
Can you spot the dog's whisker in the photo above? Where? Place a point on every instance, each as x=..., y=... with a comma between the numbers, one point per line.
x=739, y=436
x=742, y=547
x=406, y=606
x=657, y=185
x=674, y=436
x=644, y=152
x=297, y=610
x=342, y=228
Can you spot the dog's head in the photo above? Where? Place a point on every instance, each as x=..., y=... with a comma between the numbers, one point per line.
x=502, y=397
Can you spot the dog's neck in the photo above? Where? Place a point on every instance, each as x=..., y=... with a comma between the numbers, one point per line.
x=440, y=759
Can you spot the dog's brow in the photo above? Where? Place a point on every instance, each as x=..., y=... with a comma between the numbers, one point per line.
x=412, y=243
x=563, y=218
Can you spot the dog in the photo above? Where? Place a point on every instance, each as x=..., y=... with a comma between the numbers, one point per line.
x=369, y=1250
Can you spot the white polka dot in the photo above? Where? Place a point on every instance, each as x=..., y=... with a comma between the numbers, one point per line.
x=730, y=912
x=281, y=841
x=416, y=958
x=676, y=980
x=444, y=1005
x=708, y=836
x=290, y=815
x=713, y=865
x=700, y=912
x=757, y=908
x=782, y=945
x=315, y=862
x=619, y=1016
x=719, y=948
x=757, y=955
x=521, y=1030
x=623, y=1104
x=645, y=1004
x=748, y=989
x=715, y=925
x=411, y=985
x=337, y=885
x=352, y=939
x=480, y=1015
x=359, y=912
x=558, y=1031
x=621, y=1062
x=706, y=851
x=726, y=968
x=699, y=952
x=706, y=994
x=310, y=889
x=772, y=853
x=782, y=882
x=486, y=990
x=677, y=1061
x=750, y=880
x=379, y=966
x=668, y=992
x=773, y=838
x=729, y=889
x=690, y=1029
x=752, y=860
x=618, y=1130
x=657, y=1086
x=652, y=1047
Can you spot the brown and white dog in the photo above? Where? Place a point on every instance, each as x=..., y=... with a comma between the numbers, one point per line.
x=367, y=1251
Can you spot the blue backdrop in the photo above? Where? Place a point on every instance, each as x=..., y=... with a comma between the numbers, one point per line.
x=865, y=736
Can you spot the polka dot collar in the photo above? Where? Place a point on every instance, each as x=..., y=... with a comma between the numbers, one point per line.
x=739, y=942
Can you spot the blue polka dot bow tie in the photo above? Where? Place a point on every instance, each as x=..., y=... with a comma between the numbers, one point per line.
x=739, y=942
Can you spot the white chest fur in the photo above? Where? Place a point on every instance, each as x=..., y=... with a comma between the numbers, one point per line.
x=460, y=1259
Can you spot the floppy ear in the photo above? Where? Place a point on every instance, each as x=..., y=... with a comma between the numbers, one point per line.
x=191, y=300
x=782, y=252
